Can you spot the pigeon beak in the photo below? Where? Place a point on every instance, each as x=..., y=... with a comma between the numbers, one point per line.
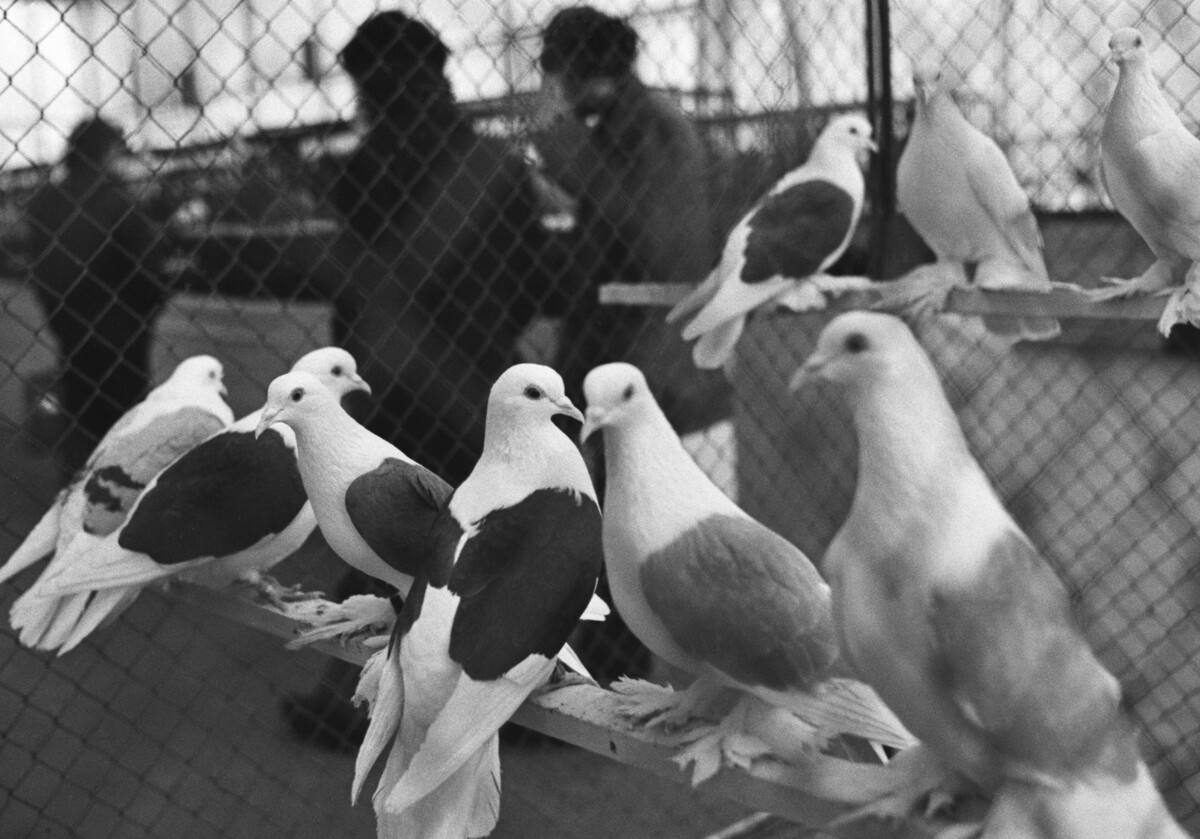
x=872, y=145
x=224, y=391
x=809, y=372
x=265, y=421
x=566, y=406
x=594, y=421
x=360, y=383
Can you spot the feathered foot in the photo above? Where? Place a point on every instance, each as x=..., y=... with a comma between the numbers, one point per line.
x=359, y=614
x=714, y=746
x=923, y=292
x=1183, y=306
x=1159, y=278
x=270, y=592
x=812, y=294
x=924, y=787
x=658, y=706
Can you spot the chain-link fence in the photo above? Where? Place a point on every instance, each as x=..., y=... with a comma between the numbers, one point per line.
x=444, y=201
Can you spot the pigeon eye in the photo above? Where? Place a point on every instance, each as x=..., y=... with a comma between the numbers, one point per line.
x=856, y=342
x=297, y=394
x=1137, y=42
x=532, y=392
x=628, y=394
x=337, y=370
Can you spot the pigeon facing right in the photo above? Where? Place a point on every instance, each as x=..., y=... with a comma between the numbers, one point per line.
x=1151, y=166
x=955, y=186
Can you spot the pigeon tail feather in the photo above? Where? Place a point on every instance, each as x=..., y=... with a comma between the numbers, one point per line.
x=465, y=806
x=381, y=686
x=39, y=544
x=715, y=347
x=697, y=297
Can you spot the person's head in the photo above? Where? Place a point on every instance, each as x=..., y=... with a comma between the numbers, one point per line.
x=94, y=145
x=585, y=54
x=396, y=61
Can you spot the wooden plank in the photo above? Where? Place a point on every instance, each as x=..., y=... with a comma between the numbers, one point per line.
x=586, y=715
x=1062, y=301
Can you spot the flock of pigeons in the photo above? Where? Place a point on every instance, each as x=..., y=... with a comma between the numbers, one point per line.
x=956, y=188
x=942, y=643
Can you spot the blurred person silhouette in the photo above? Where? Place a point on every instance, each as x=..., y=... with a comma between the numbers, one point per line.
x=637, y=168
x=95, y=257
x=436, y=279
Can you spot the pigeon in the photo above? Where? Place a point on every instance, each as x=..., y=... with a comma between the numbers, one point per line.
x=945, y=606
x=174, y=417
x=518, y=555
x=227, y=510
x=796, y=231
x=1150, y=164
x=375, y=505
x=181, y=412
x=956, y=188
x=715, y=593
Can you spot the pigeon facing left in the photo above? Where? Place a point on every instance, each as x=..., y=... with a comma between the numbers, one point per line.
x=717, y=594
x=795, y=232
x=949, y=611
x=176, y=416
x=1151, y=165
x=956, y=188
x=517, y=560
x=227, y=510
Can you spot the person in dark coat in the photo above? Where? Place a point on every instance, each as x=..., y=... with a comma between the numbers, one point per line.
x=441, y=251
x=95, y=259
x=438, y=274
x=637, y=168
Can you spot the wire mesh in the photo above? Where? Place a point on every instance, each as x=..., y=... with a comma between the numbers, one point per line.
x=447, y=203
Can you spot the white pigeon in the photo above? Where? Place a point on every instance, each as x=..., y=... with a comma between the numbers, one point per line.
x=944, y=605
x=795, y=232
x=375, y=505
x=181, y=412
x=227, y=510
x=1151, y=164
x=715, y=593
x=176, y=416
x=518, y=556
x=956, y=188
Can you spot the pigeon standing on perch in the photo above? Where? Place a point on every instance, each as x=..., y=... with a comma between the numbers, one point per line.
x=716, y=594
x=955, y=186
x=177, y=415
x=227, y=510
x=1151, y=167
x=782, y=246
x=944, y=605
x=518, y=554
x=374, y=504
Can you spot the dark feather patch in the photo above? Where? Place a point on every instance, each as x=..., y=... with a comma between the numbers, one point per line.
x=794, y=231
x=524, y=579
x=223, y=496
x=394, y=507
x=741, y=597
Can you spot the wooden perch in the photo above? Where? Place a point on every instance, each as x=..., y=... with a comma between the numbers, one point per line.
x=586, y=715
x=1061, y=301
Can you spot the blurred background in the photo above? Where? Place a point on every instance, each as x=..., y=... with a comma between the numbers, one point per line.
x=450, y=203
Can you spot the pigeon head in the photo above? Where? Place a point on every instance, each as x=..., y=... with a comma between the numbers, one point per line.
x=1127, y=46
x=859, y=351
x=335, y=368
x=292, y=399
x=928, y=81
x=848, y=131
x=616, y=394
x=527, y=396
x=200, y=371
